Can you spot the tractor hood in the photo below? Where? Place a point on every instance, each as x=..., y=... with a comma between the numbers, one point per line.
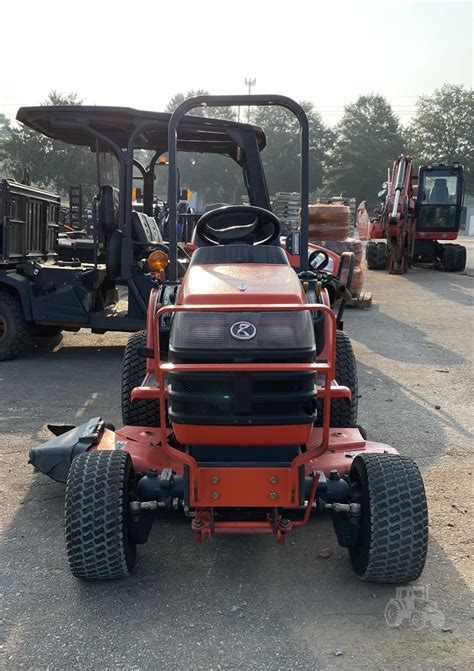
x=241, y=283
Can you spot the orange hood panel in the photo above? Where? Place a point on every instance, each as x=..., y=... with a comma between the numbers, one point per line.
x=240, y=283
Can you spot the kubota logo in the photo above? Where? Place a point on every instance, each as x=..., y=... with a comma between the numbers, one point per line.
x=243, y=331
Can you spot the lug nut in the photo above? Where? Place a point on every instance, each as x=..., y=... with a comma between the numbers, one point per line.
x=273, y=495
x=215, y=479
x=215, y=495
x=273, y=479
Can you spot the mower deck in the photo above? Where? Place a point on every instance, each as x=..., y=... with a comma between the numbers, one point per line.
x=144, y=445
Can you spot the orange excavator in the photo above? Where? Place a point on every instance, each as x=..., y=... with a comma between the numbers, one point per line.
x=418, y=210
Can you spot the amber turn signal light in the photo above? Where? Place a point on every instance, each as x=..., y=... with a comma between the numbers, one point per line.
x=158, y=260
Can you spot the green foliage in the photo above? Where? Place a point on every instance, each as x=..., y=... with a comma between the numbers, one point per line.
x=4, y=127
x=228, y=113
x=351, y=159
x=443, y=129
x=54, y=165
x=281, y=156
x=368, y=139
x=218, y=177
x=221, y=178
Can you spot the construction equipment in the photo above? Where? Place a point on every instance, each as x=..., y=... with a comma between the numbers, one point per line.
x=240, y=402
x=418, y=210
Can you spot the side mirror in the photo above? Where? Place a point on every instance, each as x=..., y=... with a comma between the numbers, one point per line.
x=383, y=191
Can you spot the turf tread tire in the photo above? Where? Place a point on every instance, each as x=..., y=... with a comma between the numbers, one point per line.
x=142, y=412
x=376, y=255
x=98, y=546
x=17, y=333
x=343, y=415
x=393, y=537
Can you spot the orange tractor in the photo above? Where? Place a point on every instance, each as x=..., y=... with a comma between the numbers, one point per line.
x=418, y=210
x=240, y=403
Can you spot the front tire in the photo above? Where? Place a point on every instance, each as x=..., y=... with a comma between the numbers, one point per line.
x=14, y=329
x=393, y=534
x=99, y=542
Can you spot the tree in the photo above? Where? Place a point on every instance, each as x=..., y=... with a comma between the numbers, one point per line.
x=4, y=135
x=4, y=127
x=368, y=139
x=281, y=156
x=54, y=165
x=219, y=178
x=443, y=129
x=211, y=112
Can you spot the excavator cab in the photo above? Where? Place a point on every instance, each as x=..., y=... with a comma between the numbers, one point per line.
x=440, y=197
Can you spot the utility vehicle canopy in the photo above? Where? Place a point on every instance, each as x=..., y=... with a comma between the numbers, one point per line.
x=122, y=130
x=76, y=124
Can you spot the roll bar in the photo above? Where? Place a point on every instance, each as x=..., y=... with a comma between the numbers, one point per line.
x=234, y=101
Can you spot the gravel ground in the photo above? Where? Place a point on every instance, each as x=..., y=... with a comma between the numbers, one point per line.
x=242, y=602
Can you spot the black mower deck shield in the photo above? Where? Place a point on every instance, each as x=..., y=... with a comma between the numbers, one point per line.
x=55, y=457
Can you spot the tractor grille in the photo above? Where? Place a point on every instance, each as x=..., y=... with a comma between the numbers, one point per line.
x=241, y=399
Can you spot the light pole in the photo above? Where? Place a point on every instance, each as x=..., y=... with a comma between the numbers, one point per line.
x=249, y=82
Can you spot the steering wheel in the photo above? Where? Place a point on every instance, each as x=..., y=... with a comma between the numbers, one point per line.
x=312, y=260
x=237, y=224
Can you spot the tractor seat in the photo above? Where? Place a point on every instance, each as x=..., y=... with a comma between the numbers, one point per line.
x=145, y=230
x=439, y=193
x=227, y=254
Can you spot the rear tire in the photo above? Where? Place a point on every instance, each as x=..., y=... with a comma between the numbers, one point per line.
x=376, y=255
x=141, y=412
x=452, y=258
x=14, y=329
x=99, y=545
x=393, y=535
x=343, y=414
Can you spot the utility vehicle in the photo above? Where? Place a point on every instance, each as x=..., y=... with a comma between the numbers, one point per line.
x=40, y=292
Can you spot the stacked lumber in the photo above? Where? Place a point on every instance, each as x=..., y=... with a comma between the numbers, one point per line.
x=328, y=222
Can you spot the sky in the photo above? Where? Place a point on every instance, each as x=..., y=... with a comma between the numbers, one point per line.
x=140, y=54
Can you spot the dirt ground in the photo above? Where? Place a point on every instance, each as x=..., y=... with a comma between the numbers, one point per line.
x=240, y=602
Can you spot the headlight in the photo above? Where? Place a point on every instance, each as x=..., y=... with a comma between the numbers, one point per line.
x=242, y=330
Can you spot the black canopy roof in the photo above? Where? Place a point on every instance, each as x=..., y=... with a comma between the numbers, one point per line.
x=195, y=134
